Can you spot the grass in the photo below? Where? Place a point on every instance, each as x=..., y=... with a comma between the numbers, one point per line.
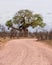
x=47, y=42
x=3, y=40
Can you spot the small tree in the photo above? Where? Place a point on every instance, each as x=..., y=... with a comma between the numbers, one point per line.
x=2, y=30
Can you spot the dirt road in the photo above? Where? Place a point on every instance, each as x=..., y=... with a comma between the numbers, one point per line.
x=25, y=52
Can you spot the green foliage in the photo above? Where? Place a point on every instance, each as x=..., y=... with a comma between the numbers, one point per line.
x=9, y=23
x=42, y=25
x=22, y=13
x=38, y=17
x=37, y=21
x=25, y=18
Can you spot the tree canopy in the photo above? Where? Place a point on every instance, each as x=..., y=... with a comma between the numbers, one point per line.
x=25, y=18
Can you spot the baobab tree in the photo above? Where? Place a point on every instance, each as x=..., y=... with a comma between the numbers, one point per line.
x=23, y=19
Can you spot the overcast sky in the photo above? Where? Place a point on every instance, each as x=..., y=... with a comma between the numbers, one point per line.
x=9, y=7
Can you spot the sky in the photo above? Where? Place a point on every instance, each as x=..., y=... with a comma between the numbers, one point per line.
x=8, y=8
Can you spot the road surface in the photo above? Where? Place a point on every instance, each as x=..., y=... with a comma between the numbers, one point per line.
x=25, y=52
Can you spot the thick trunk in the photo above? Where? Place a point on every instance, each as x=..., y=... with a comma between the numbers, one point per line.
x=25, y=33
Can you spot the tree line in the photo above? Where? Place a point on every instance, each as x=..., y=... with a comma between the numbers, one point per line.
x=16, y=34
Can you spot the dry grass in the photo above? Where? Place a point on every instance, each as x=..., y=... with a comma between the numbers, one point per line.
x=3, y=40
x=47, y=42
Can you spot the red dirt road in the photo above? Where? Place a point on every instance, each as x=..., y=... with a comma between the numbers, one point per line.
x=25, y=52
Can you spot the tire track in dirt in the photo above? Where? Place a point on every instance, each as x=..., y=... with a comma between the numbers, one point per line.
x=25, y=52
